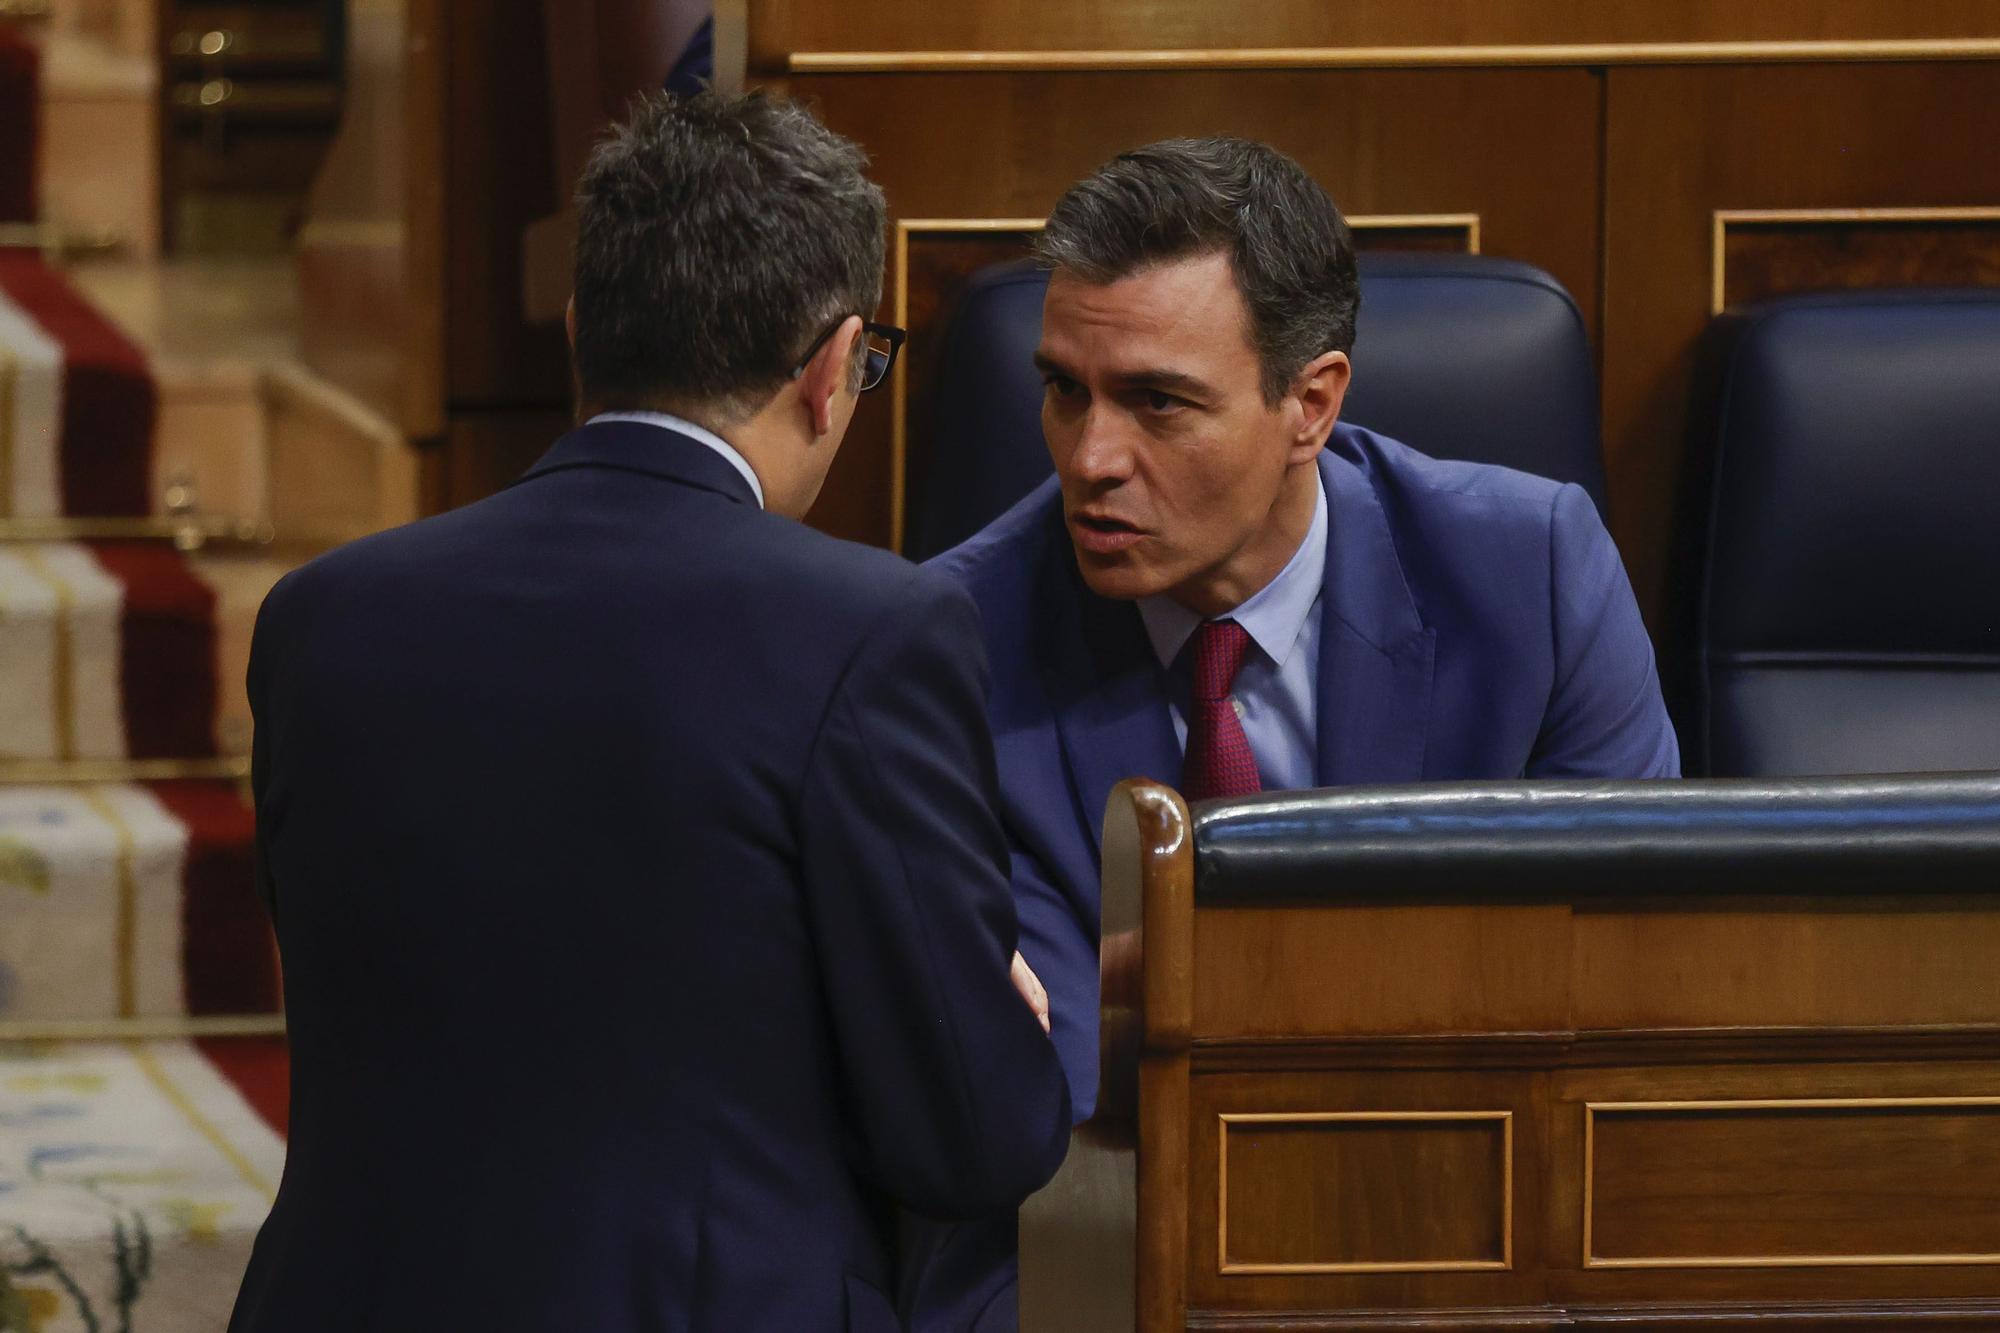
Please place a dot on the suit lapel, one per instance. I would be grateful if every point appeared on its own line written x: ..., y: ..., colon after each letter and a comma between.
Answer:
x: 1376, y: 654
x: 1111, y: 711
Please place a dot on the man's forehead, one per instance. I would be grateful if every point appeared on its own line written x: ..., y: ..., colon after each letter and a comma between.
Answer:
x: 1163, y: 305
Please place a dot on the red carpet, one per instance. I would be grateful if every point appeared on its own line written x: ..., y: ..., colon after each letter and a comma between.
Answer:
x: 260, y: 1069
x: 229, y: 961
x: 20, y: 112
x: 107, y: 399
x: 167, y: 651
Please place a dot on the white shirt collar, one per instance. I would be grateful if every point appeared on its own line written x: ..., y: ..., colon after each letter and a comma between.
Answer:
x: 692, y: 431
x: 1274, y: 615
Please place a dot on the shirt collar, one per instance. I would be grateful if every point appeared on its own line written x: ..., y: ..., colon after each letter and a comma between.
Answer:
x: 1274, y: 615
x: 682, y: 426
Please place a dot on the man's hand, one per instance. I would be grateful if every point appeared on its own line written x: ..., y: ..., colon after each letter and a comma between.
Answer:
x: 1030, y: 986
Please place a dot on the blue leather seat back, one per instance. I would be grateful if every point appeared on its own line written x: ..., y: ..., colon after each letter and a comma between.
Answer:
x: 1851, y: 610
x: 1458, y: 355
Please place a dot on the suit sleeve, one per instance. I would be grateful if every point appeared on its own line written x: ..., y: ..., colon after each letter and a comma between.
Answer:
x: 1606, y: 717
x: 956, y: 1094
x: 1063, y: 951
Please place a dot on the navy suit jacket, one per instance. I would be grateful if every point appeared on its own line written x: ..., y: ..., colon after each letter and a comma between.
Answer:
x: 644, y: 915
x: 1476, y: 622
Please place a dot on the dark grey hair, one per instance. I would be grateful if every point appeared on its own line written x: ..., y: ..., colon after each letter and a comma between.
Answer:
x: 717, y: 237
x: 1292, y: 252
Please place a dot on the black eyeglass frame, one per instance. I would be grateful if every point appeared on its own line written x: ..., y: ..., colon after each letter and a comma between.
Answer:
x: 890, y: 332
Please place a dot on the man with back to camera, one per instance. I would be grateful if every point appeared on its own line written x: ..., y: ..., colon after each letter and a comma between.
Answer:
x: 1226, y: 589
x: 631, y: 846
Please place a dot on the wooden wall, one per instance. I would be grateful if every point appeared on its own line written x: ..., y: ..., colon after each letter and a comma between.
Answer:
x: 1641, y: 153
x: 1650, y: 156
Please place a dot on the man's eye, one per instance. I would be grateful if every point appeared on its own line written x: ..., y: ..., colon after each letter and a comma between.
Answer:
x: 1156, y: 401
x: 1061, y: 386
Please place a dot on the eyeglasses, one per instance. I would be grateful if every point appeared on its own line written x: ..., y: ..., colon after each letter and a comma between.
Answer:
x: 884, y: 341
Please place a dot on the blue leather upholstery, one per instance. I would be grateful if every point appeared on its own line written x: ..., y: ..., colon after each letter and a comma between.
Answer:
x: 1850, y: 618
x: 1457, y: 355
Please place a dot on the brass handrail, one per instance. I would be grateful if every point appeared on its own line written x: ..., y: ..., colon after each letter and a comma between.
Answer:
x: 69, y: 772
x: 58, y: 240
x: 188, y: 532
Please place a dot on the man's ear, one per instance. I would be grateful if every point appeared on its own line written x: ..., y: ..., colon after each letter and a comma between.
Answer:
x: 828, y: 374
x: 569, y: 323
x: 1319, y: 391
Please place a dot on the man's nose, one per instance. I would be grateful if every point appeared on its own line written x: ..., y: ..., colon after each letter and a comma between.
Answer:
x: 1103, y: 449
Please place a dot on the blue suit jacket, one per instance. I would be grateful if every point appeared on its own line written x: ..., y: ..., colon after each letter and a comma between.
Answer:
x: 644, y: 915
x: 1476, y: 623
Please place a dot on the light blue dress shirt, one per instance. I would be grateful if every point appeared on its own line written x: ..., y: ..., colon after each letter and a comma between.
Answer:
x: 1276, y: 692
x: 692, y: 431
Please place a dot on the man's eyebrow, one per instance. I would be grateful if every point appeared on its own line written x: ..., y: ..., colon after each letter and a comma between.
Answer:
x: 1048, y: 365
x: 1166, y: 381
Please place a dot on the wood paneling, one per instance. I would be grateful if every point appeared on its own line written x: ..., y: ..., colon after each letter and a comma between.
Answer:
x: 1772, y: 1184
x: 1682, y: 143
x: 1854, y: 964
x: 1762, y: 254
x: 1302, y: 1192
x: 484, y: 452
x: 500, y: 177
x: 1760, y: 1193
x: 780, y: 27
x: 1346, y: 969
x: 1375, y: 1189
x: 370, y: 256
x: 1516, y: 147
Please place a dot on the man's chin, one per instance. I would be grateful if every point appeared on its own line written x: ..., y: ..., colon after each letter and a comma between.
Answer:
x: 1117, y: 577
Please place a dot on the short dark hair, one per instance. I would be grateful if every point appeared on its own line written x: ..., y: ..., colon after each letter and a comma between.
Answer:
x: 1291, y: 250
x: 716, y: 238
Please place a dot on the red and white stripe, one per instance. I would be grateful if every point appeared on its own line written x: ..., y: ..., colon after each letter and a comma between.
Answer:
x: 80, y: 402
x: 122, y: 901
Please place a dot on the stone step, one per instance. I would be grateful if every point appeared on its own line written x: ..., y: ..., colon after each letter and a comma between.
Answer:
x: 126, y: 650
x: 133, y: 1178
x: 127, y: 904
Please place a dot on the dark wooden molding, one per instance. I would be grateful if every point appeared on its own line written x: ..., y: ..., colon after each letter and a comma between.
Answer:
x: 1556, y: 1050
x: 1822, y: 1317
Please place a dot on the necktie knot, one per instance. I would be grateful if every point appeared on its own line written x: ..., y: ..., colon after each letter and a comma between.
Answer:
x: 1219, y: 649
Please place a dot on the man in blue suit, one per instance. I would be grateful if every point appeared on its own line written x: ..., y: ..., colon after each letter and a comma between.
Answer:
x: 632, y: 847
x: 1226, y: 589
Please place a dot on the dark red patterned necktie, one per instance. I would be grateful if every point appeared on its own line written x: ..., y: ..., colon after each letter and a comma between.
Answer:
x: 1219, y: 761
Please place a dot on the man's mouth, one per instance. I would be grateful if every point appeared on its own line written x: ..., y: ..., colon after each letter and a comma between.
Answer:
x: 1102, y: 534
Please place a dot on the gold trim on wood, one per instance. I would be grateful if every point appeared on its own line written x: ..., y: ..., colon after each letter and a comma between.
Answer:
x: 899, y: 387
x: 1725, y: 218
x: 187, y: 532
x: 1504, y: 1263
x: 1592, y: 1109
x: 1391, y: 57
x: 143, y: 1029
x: 63, y: 772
